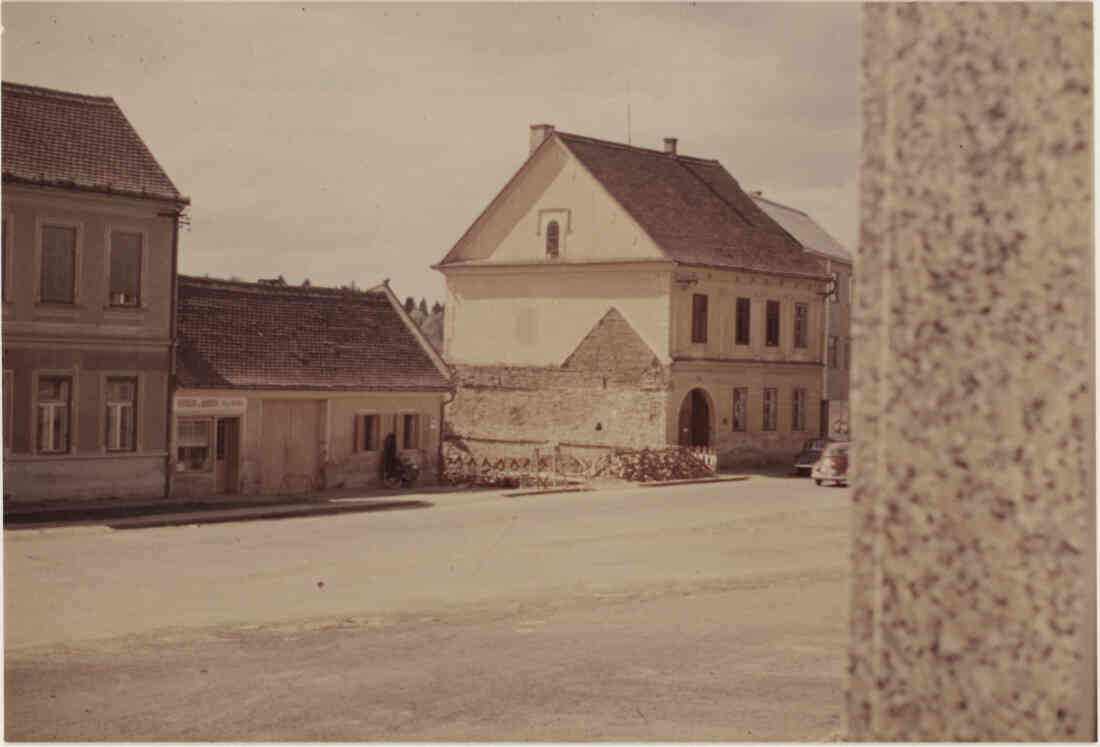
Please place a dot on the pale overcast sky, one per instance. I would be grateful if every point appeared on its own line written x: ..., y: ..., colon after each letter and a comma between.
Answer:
x: 357, y: 142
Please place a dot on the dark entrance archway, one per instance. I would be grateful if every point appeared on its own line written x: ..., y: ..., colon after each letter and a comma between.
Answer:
x: 695, y: 419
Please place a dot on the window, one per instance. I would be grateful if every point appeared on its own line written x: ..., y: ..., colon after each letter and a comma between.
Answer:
x: 121, y: 403
x: 740, y: 408
x: 741, y: 333
x: 54, y: 397
x: 834, y: 286
x: 801, y: 325
x: 552, y: 238
x: 58, y: 264
x: 832, y: 352
x: 798, y: 410
x: 698, y: 318
x: 771, y: 333
x: 770, y: 402
x: 125, y: 287
x: 366, y: 436
x: 193, y: 444
x: 411, y: 436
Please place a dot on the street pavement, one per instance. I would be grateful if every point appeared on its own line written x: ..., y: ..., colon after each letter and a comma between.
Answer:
x: 692, y: 612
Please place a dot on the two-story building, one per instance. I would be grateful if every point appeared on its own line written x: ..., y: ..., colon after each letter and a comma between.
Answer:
x: 90, y: 231
x: 618, y: 295
x: 287, y: 389
x: 837, y: 329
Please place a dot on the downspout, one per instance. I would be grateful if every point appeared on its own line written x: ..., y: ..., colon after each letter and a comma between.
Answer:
x: 824, y: 410
x: 442, y: 405
x: 171, y: 383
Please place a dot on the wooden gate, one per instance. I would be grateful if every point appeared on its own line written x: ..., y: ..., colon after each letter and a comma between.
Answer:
x: 291, y: 442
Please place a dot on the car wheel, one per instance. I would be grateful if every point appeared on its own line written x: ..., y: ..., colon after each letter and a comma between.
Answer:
x: 818, y: 481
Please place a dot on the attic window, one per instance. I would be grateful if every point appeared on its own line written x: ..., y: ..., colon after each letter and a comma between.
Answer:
x: 552, y: 233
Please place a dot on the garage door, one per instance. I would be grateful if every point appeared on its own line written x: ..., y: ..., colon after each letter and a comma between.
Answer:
x: 291, y: 442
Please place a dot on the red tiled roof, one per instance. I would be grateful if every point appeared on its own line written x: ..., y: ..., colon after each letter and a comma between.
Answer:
x: 252, y: 336
x: 693, y: 208
x: 76, y: 141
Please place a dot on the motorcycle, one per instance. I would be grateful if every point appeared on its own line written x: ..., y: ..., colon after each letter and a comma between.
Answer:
x: 398, y: 471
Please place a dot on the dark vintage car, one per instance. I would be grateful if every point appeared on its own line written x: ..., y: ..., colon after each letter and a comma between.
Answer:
x: 833, y: 464
x: 808, y: 457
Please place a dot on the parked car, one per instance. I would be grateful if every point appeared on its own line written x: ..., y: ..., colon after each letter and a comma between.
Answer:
x: 833, y: 464
x: 811, y: 451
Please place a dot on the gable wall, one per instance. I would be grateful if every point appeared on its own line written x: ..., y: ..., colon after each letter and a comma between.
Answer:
x: 537, y: 316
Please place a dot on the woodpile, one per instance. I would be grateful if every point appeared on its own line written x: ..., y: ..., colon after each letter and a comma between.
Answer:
x: 653, y: 465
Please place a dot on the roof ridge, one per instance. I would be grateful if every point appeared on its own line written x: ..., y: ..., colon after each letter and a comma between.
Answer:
x: 13, y: 87
x: 322, y: 290
x: 779, y: 204
x: 625, y: 146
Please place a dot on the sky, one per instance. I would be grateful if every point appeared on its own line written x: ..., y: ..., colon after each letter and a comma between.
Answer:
x: 357, y: 141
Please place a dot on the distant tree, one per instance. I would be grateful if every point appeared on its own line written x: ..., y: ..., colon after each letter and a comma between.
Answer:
x: 306, y: 283
x: 437, y: 308
x: 423, y: 307
x: 410, y: 304
x: 236, y: 278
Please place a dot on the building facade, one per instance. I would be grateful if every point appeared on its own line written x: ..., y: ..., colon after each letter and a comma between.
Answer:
x: 837, y: 329
x: 90, y: 228
x: 286, y: 390
x: 619, y: 295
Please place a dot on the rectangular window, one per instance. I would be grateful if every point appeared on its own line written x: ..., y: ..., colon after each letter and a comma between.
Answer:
x: 366, y: 438
x: 698, y: 317
x: 54, y: 399
x: 193, y: 444
x: 832, y: 352
x: 411, y: 437
x: 58, y: 264
x: 741, y: 333
x: 771, y: 336
x: 125, y: 287
x: 801, y: 325
x: 770, y: 403
x: 798, y: 410
x: 121, y: 422
x: 740, y: 408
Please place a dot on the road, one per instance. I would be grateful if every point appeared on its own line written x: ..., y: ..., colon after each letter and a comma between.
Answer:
x: 697, y: 612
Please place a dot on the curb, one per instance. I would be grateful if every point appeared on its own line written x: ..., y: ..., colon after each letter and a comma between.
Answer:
x: 549, y: 491
x: 697, y: 481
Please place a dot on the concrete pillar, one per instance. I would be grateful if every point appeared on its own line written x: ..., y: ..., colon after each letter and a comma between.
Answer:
x: 974, y: 556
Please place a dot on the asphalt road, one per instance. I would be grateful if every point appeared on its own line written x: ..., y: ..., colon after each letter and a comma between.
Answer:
x: 697, y: 612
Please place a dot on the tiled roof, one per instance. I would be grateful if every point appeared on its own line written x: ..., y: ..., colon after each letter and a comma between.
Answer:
x: 72, y: 140
x: 804, y: 228
x: 693, y: 208
x: 252, y: 336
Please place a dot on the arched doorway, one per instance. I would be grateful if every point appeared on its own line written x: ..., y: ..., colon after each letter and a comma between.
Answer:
x: 695, y: 419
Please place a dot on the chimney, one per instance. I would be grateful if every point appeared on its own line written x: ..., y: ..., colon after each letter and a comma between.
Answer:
x: 540, y: 132
x: 670, y: 146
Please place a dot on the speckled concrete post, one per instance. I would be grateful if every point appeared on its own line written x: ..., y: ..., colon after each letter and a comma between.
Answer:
x: 973, y: 598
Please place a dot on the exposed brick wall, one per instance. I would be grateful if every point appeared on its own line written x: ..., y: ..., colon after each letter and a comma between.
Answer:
x: 613, y: 349
x: 553, y: 404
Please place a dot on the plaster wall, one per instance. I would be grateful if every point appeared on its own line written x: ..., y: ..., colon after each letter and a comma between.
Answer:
x: 537, y: 316
x: 974, y: 553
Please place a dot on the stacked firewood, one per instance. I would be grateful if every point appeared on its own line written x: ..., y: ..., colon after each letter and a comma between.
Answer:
x: 652, y: 465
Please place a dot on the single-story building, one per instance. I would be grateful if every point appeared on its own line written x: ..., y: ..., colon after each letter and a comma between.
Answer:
x: 286, y: 389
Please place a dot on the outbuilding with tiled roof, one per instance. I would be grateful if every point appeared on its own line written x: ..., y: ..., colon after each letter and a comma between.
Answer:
x: 285, y: 389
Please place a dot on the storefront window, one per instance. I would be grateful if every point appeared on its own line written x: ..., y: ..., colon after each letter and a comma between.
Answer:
x: 193, y: 444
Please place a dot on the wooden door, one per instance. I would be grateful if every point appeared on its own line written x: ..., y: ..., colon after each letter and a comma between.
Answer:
x: 290, y: 445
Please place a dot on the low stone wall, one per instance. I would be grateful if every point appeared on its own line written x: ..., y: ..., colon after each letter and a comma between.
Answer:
x: 36, y: 479
x: 558, y: 405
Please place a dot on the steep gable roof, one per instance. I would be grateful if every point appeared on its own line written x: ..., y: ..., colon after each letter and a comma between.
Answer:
x: 804, y: 228
x: 253, y: 336
x: 63, y: 139
x: 692, y: 207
